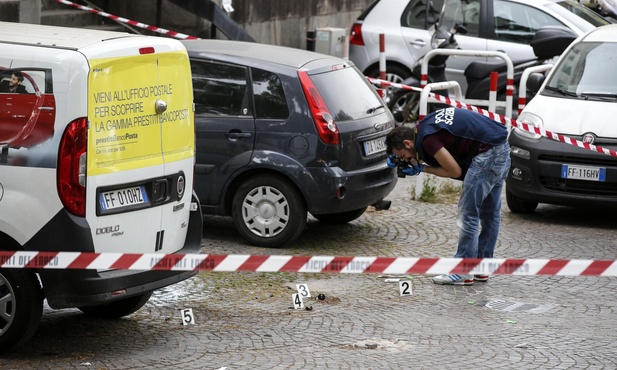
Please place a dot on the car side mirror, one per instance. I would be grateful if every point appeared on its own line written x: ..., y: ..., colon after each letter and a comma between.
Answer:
x: 534, y: 81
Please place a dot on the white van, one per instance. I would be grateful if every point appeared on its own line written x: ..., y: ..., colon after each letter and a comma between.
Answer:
x: 97, y: 155
x: 577, y: 99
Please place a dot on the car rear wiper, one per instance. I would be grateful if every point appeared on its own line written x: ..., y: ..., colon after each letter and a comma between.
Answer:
x: 372, y: 110
x: 563, y: 92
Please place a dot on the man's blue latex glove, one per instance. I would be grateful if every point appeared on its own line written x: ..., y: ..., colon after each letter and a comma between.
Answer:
x: 413, y: 169
x: 391, y: 161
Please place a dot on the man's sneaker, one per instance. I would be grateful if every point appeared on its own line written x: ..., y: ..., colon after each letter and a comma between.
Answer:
x: 482, y: 278
x: 454, y: 279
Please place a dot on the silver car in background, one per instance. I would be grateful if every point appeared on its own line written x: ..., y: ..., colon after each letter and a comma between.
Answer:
x: 493, y: 25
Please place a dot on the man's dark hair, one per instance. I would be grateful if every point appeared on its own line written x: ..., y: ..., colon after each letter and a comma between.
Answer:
x: 395, y: 138
x: 19, y: 75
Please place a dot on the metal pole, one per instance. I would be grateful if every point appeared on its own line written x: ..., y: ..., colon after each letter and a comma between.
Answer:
x: 158, y: 13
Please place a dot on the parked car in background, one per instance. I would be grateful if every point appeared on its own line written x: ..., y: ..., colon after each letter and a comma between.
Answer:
x: 606, y: 8
x: 281, y: 132
x: 579, y: 100
x: 499, y: 25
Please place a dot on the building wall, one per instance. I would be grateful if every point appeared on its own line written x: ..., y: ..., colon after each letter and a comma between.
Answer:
x: 285, y: 22
x: 277, y: 22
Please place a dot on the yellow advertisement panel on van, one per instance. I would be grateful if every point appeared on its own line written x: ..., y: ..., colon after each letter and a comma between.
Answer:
x: 130, y: 116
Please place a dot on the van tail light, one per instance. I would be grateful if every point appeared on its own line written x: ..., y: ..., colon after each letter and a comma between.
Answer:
x: 146, y: 50
x: 326, y: 128
x: 355, y: 35
x: 71, y: 178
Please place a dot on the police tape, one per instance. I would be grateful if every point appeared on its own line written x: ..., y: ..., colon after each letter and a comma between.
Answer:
x: 500, y: 118
x: 127, y: 21
x: 308, y: 264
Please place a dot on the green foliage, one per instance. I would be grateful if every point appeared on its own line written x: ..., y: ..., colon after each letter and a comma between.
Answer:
x: 429, y: 190
x: 447, y: 191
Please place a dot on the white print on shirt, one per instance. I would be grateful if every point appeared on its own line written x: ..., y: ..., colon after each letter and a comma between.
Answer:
x: 445, y: 115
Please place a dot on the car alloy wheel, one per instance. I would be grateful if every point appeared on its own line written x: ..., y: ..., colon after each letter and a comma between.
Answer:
x: 405, y: 107
x: 269, y: 211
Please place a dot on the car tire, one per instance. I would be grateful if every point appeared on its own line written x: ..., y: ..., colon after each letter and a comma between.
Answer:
x: 394, y: 73
x: 405, y: 107
x: 117, y: 309
x: 269, y: 211
x: 340, y: 218
x: 518, y: 205
x: 21, y: 307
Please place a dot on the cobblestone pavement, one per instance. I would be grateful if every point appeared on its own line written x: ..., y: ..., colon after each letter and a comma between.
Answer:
x: 246, y: 320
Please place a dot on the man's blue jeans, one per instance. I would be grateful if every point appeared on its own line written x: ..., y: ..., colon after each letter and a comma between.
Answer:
x: 479, y: 207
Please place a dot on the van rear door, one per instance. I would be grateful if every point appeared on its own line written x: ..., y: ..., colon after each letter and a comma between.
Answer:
x: 140, y: 146
x: 178, y: 136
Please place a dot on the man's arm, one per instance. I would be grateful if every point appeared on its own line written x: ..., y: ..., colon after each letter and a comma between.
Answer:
x: 448, y: 167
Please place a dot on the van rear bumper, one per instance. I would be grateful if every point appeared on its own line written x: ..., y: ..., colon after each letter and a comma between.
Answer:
x: 67, y: 289
x: 80, y: 288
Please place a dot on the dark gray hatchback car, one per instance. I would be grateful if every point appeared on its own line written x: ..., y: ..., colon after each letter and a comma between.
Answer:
x: 282, y: 132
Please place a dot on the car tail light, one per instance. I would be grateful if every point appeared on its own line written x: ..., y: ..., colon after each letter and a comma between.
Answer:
x: 71, y: 180
x: 355, y: 36
x: 326, y: 128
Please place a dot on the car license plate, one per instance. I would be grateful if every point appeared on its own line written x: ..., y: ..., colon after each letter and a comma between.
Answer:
x: 122, y: 198
x: 569, y: 171
x: 375, y: 146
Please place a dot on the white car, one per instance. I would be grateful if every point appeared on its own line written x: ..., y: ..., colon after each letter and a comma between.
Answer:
x: 579, y: 100
x: 493, y: 25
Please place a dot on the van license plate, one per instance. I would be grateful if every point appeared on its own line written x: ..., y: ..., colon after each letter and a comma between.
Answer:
x: 375, y: 146
x: 569, y: 171
x: 122, y: 198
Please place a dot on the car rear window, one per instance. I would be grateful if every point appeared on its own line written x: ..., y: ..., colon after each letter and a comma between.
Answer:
x: 347, y: 93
